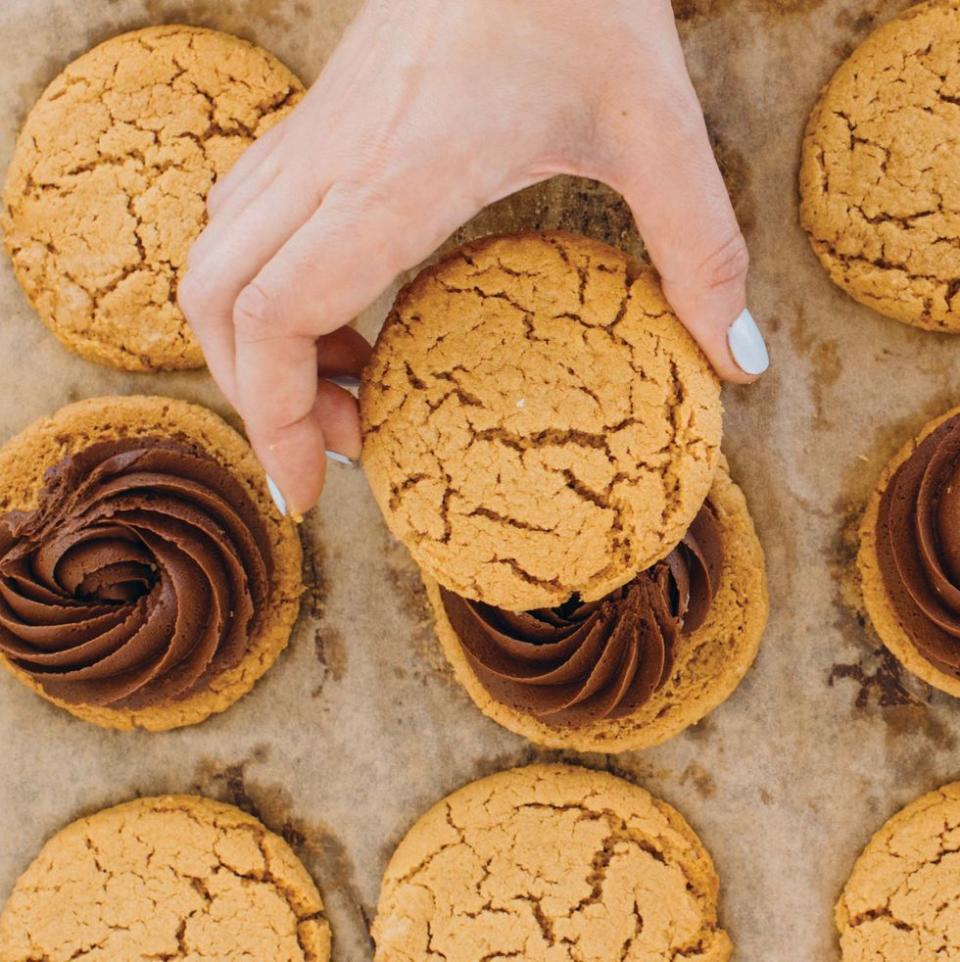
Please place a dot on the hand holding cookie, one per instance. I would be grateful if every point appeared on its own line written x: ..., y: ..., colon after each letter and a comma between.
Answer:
x: 424, y: 114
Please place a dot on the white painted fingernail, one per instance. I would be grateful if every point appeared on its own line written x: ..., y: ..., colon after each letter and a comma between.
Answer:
x: 347, y: 382
x: 747, y: 345
x: 339, y: 458
x: 278, y: 498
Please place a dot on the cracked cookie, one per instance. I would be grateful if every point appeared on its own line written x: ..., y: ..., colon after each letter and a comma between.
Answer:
x: 550, y: 863
x: 171, y: 877
x: 146, y: 578
x: 878, y: 175
x: 900, y: 903
x: 108, y: 185
x: 635, y: 669
x: 909, y: 557
x: 537, y: 422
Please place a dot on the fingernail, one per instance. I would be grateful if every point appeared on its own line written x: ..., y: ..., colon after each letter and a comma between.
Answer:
x: 339, y: 458
x: 278, y: 498
x: 347, y: 382
x: 747, y: 345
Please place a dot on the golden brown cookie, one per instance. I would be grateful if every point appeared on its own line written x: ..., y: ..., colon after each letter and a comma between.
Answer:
x: 79, y: 428
x: 108, y: 185
x: 550, y: 863
x: 878, y: 175
x: 708, y: 665
x: 536, y: 420
x: 887, y: 613
x: 902, y: 900
x: 172, y: 877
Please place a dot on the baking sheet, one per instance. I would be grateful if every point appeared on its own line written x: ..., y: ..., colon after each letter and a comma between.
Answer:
x: 358, y: 728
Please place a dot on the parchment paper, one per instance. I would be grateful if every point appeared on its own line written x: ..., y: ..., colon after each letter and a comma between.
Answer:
x: 358, y: 728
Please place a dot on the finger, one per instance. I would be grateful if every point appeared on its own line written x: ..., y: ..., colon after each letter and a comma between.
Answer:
x: 344, y: 353
x: 297, y: 452
x: 677, y: 194
x: 329, y: 271
x: 238, y: 178
x: 236, y: 250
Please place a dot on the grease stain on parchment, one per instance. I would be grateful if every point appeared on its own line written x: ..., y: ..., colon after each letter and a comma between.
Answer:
x: 693, y: 10
x: 315, y: 844
x: 855, y: 25
x: 882, y: 689
x: 590, y: 207
x: 825, y: 364
x: 403, y: 578
x: 561, y: 203
x: 329, y: 645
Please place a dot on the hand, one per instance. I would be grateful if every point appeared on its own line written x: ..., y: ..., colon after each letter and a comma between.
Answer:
x: 426, y: 112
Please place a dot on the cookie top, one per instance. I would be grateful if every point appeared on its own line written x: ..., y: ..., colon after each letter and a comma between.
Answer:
x: 900, y: 902
x: 537, y: 422
x: 532, y: 862
x: 165, y: 878
x: 705, y: 666
x: 174, y: 531
x: 108, y: 185
x: 909, y: 557
x: 878, y: 177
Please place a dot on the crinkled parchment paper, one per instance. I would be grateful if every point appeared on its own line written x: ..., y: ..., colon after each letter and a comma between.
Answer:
x: 358, y: 728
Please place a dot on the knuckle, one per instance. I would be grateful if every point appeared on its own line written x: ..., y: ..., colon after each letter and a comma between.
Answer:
x: 255, y: 312
x: 727, y: 264
x: 191, y: 296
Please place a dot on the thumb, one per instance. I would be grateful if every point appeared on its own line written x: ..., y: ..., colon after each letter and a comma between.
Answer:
x: 683, y: 212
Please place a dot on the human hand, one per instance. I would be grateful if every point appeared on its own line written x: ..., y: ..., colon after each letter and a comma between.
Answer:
x: 426, y: 112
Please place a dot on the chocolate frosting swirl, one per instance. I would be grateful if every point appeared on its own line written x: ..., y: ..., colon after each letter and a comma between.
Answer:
x: 582, y: 662
x: 918, y: 546
x: 138, y: 577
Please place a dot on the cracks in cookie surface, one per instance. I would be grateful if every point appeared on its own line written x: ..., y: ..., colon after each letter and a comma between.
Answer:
x: 168, y: 876
x: 129, y: 184
x: 878, y: 196
x: 908, y: 872
x: 515, y: 401
x: 571, y: 878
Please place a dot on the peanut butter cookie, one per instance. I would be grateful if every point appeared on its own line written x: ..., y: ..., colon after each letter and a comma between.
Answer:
x: 108, y: 185
x: 902, y: 900
x: 146, y: 578
x: 909, y: 558
x: 878, y: 181
x: 172, y: 877
x: 693, y: 670
x: 537, y: 422
x: 550, y: 863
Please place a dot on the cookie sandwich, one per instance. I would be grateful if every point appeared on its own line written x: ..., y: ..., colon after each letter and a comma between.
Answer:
x: 531, y: 862
x: 543, y: 434
x: 878, y: 174
x: 108, y: 184
x: 146, y: 578
x: 176, y: 876
x: 909, y: 557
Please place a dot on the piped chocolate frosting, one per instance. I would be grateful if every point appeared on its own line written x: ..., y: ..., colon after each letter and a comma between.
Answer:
x: 582, y: 662
x: 918, y: 546
x: 137, y: 579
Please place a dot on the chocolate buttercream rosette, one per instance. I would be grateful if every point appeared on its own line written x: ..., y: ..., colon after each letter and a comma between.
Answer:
x: 909, y: 557
x: 146, y: 578
x: 635, y: 668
